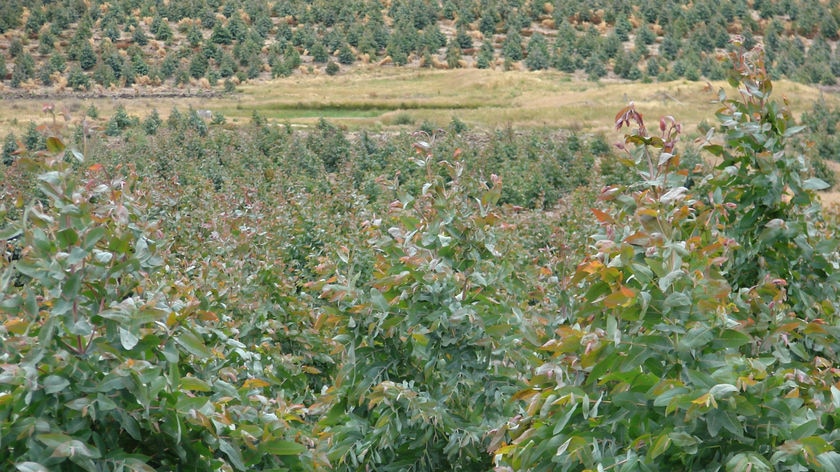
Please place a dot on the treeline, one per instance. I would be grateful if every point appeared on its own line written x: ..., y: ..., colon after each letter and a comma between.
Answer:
x: 213, y: 43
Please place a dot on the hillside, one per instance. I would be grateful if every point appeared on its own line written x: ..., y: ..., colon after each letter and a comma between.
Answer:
x: 164, y: 48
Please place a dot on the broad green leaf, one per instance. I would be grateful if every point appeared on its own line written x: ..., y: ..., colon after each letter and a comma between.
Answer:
x: 815, y: 183
x: 815, y: 445
x: 667, y: 397
x: 683, y: 439
x: 807, y: 428
x: 835, y: 397
x: 696, y: 337
x: 93, y: 236
x: 31, y: 467
x: 75, y: 448
x: 793, y: 130
x: 721, y: 391
x: 830, y: 461
x: 748, y: 462
x: 732, y: 339
x: 282, y: 447
x: 54, y: 145
x: 128, y: 339
x: 194, y: 383
x: 78, y: 404
x: 9, y: 233
x: 666, y: 282
x: 53, y: 439
x: 192, y: 343
x: 660, y: 445
x: 233, y: 453
x: 54, y: 384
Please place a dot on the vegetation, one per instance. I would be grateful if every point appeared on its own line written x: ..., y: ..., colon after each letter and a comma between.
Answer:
x: 180, y: 292
x: 176, y: 45
x: 701, y: 339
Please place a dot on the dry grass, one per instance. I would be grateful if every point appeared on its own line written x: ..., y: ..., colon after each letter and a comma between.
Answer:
x: 373, y: 97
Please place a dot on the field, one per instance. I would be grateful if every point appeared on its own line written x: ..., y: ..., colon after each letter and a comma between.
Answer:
x: 399, y: 98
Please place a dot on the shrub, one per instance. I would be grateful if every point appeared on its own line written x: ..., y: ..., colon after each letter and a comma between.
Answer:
x: 119, y: 122
x: 10, y: 148
x: 77, y: 79
x: 427, y: 363
x: 33, y: 139
x: 705, y: 326
x: 332, y: 68
x: 152, y: 123
x: 112, y: 368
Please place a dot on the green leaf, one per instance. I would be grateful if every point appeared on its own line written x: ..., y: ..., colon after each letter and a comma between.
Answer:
x: 128, y: 339
x: 78, y: 404
x: 662, y: 443
x: 830, y: 461
x: 807, y: 428
x: 74, y: 448
x: 233, y: 454
x: 54, y: 145
x: 31, y: 467
x: 815, y: 183
x: 193, y: 344
x: 54, y: 384
x: 696, y: 337
x: 720, y: 391
x: 815, y: 445
x: 793, y: 130
x: 93, y: 236
x: 667, y: 397
x: 9, y: 233
x: 684, y: 441
x: 282, y: 447
x: 66, y: 237
x: 748, y: 462
x: 194, y: 383
x: 666, y: 282
x: 732, y: 339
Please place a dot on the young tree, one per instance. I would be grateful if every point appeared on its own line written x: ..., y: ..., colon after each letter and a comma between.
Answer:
x: 194, y: 36
x: 221, y: 35
x: 463, y: 39
x: 623, y: 28
x: 198, y: 66
x: 77, y: 79
x: 694, y: 345
x: 485, y: 55
x: 453, y: 55
x: 537, y: 57
x: 139, y: 36
x: 332, y: 68
x: 345, y: 54
x: 512, y: 45
x: 10, y: 147
x: 319, y: 52
x: 594, y: 68
x: 87, y: 57
x: 160, y: 29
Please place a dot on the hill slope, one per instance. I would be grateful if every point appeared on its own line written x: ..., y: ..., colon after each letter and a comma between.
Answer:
x: 54, y: 47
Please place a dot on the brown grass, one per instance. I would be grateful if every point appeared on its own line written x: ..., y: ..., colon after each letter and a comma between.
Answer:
x: 369, y: 97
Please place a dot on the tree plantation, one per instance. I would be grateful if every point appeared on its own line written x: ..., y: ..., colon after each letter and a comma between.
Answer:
x: 182, y: 294
x: 96, y: 45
